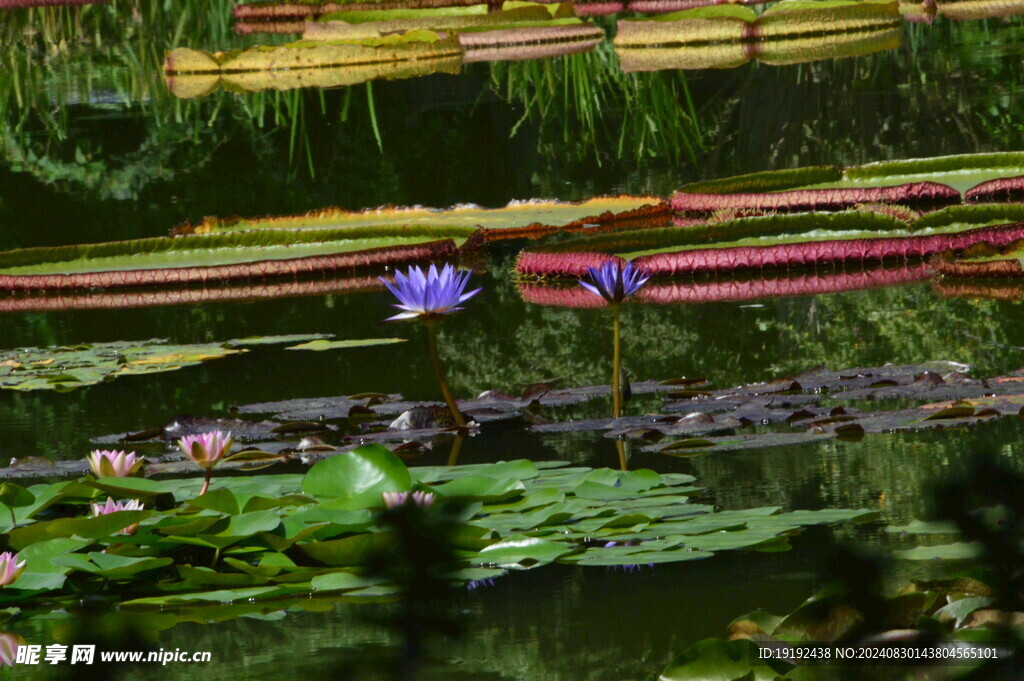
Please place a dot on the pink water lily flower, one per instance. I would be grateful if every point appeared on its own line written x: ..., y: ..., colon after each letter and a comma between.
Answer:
x: 205, y: 450
x: 109, y: 463
x: 395, y: 499
x: 10, y: 568
x: 112, y: 506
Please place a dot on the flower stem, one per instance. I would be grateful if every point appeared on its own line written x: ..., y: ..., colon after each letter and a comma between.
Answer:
x: 206, y: 482
x: 620, y: 446
x: 439, y: 373
x: 616, y: 366
x: 453, y: 455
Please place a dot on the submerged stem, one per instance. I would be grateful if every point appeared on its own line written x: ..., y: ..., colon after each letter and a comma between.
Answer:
x: 439, y: 373
x: 620, y: 446
x: 616, y: 366
x: 453, y: 455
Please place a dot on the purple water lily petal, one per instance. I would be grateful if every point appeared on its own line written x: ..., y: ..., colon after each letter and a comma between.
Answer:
x: 429, y: 294
x: 615, y: 282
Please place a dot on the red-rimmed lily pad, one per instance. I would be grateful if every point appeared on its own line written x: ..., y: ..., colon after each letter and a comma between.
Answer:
x: 728, y: 55
x: 203, y: 258
x: 517, y: 219
x: 311, y: 54
x: 149, y: 297
x: 734, y: 23
x: 771, y: 252
x: 722, y: 289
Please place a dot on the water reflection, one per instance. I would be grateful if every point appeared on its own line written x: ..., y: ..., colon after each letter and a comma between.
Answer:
x: 112, y: 109
x: 573, y: 619
x: 245, y: 293
x: 739, y: 286
x: 798, y: 51
x: 93, y: 147
x: 190, y: 85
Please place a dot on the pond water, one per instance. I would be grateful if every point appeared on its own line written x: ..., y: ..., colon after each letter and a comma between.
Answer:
x: 93, y: 148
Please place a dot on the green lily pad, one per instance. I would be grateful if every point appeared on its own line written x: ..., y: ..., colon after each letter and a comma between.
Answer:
x: 956, y: 551
x: 368, y: 470
x: 320, y: 345
x: 110, y: 566
x: 519, y: 549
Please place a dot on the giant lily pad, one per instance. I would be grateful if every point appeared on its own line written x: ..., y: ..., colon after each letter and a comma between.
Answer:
x: 518, y: 219
x: 171, y: 294
x: 727, y: 55
x: 256, y: 12
x: 921, y: 195
x: 188, y: 85
x: 349, y: 25
x: 961, y: 172
x: 734, y: 288
x: 1003, y: 262
x: 758, y: 253
x: 223, y: 257
x: 308, y: 54
x: 967, y: 10
x: 733, y: 23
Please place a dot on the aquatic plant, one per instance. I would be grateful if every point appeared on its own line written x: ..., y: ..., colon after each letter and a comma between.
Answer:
x: 112, y: 506
x: 10, y: 568
x: 109, y: 463
x: 232, y: 256
x: 282, y: 537
x: 66, y: 368
x: 429, y: 297
x: 206, y: 450
x: 518, y: 219
x: 922, y: 195
x: 615, y: 282
x: 1004, y: 189
x: 412, y: 45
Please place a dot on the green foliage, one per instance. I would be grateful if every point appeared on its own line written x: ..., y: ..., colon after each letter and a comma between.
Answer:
x: 262, y: 532
x: 69, y: 367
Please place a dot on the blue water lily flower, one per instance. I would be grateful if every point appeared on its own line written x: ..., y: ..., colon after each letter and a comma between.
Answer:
x: 614, y: 281
x: 430, y: 294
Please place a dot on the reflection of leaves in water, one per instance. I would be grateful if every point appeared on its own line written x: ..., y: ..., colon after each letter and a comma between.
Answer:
x: 592, y: 101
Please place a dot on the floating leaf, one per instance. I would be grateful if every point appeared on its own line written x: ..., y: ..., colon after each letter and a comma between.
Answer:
x: 956, y: 551
x: 319, y: 345
x: 518, y: 219
x: 110, y: 566
x: 342, y: 581
x: 233, y: 256
x: 368, y: 470
x: 520, y: 549
x: 275, y: 340
x: 14, y: 495
x: 309, y: 54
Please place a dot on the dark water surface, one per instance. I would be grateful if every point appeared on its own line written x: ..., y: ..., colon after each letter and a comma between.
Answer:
x: 93, y: 148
